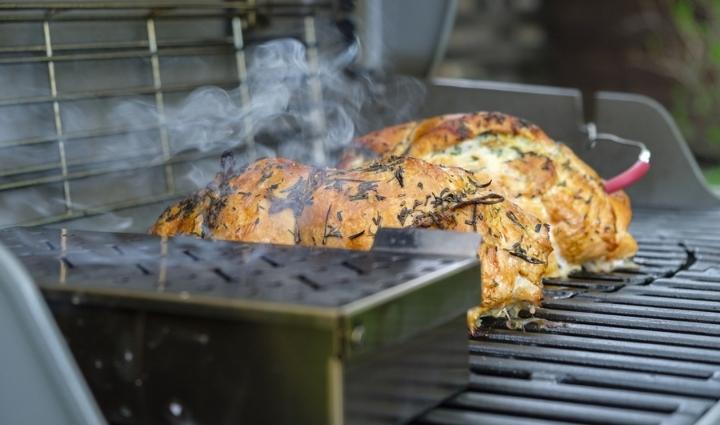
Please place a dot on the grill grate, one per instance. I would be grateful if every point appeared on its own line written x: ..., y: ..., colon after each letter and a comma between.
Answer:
x: 638, y: 347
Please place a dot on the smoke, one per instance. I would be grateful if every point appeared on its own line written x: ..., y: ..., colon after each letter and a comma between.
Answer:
x: 295, y: 109
x: 300, y: 103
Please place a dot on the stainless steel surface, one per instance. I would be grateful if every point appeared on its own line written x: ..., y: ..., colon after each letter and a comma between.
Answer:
x: 257, y: 323
x: 38, y: 364
x: 391, y: 40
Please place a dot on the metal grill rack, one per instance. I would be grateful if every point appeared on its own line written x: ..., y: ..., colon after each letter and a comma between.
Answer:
x: 66, y: 66
x: 626, y: 348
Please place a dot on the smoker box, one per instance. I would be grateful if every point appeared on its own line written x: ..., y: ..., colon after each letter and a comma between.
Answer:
x: 183, y: 330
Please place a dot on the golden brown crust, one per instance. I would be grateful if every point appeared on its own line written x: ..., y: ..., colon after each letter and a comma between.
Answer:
x: 544, y: 177
x: 283, y: 202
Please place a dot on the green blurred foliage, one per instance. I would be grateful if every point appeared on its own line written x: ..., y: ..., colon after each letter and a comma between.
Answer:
x: 712, y: 175
x: 691, y: 56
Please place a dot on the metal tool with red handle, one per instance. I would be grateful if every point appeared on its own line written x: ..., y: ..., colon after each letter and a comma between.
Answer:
x: 635, y: 172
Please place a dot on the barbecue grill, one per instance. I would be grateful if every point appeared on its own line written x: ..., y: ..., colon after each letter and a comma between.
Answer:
x: 638, y: 346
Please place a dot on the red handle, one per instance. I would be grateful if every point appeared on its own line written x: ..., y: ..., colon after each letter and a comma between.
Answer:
x: 628, y: 177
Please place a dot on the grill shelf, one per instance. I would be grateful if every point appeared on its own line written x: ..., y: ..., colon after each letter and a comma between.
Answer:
x: 638, y: 347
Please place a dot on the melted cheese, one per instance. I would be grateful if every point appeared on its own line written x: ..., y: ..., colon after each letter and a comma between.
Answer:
x: 564, y: 266
x: 475, y: 151
x: 475, y: 155
x: 604, y: 266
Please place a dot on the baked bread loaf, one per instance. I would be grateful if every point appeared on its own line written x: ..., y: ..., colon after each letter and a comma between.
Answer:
x: 589, y: 228
x: 283, y: 202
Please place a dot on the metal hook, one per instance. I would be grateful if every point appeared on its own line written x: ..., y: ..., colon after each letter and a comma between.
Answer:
x: 593, y: 137
x: 632, y: 174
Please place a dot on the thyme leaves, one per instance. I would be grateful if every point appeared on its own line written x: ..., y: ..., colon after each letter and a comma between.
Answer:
x: 512, y: 217
x: 328, y: 230
x: 398, y: 174
x: 356, y: 235
x: 520, y: 252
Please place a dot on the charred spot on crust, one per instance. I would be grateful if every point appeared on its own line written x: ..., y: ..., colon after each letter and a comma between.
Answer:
x: 182, y: 208
x: 403, y: 215
x: 266, y: 174
x: 213, y: 211
x: 462, y: 130
x: 547, y: 165
x: 498, y: 117
x: 437, y: 219
x: 363, y: 189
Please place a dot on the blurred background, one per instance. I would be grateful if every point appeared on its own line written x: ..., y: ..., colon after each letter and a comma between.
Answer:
x: 666, y: 49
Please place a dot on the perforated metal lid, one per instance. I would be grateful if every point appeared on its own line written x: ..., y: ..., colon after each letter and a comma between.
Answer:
x: 194, y: 271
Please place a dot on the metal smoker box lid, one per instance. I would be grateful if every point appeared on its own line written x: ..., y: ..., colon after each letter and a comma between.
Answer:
x: 344, y: 326
x: 327, y: 288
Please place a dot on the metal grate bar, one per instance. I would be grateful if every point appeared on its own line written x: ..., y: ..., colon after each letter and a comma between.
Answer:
x: 551, y: 409
x: 632, y: 334
x: 241, y: 70
x: 688, y: 284
x: 593, y: 358
x: 57, y: 118
x: 466, y: 417
x: 666, y: 349
x: 602, y: 376
x: 317, y: 115
x: 160, y: 105
x: 547, y: 388
x: 129, y: 10
x: 115, y: 45
x: 128, y: 165
x: 649, y: 320
x: 154, y: 4
x: 98, y: 94
x: 686, y: 304
x: 129, y: 54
